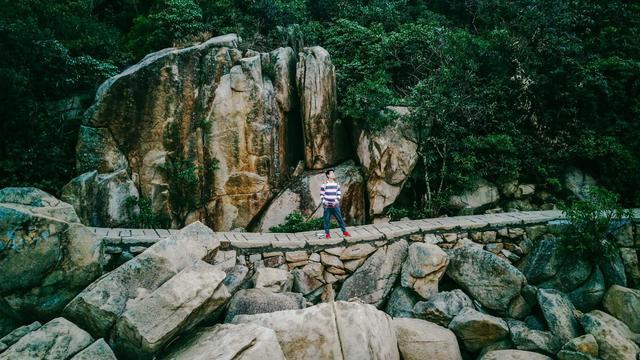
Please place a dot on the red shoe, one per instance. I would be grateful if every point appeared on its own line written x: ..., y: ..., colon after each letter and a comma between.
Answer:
x: 327, y: 236
x: 345, y: 233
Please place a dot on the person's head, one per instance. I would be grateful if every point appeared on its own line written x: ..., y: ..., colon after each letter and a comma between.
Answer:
x: 331, y: 174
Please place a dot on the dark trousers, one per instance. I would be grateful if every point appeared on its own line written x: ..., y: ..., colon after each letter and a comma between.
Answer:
x: 335, y: 211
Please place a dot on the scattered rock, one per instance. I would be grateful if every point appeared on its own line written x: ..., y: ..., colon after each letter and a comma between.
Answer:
x: 613, y: 336
x: 276, y: 280
x: 424, y: 267
x: 443, y: 307
x: 533, y: 340
x: 493, y: 281
x: 477, y: 330
x: 307, y: 280
x: 373, y: 281
x: 258, y: 301
x: 558, y: 311
x: 99, y: 350
x: 419, y: 339
x: 588, y: 295
x: 401, y: 302
x: 624, y: 304
x: 228, y: 341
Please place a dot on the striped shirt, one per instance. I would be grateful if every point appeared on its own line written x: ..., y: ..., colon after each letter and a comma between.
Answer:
x: 330, y: 194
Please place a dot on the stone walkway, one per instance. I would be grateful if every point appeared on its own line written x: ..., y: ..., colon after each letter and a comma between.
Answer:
x: 372, y: 232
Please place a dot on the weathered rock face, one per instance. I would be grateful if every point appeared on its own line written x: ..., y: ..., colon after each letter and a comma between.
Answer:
x: 558, y: 311
x: 214, y: 112
x: 491, y: 280
x: 533, y: 340
x: 228, y: 341
x: 401, y: 303
x: 578, y: 183
x: 388, y: 157
x: 46, y: 255
x: 99, y: 306
x: 513, y: 355
x: 419, y: 339
x: 57, y: 339
x: 374, y: 279
x: 99, y: 350
x: 325, y: 138
x: 17, y: 334
x: 337, y: 330
x: 303, y: 196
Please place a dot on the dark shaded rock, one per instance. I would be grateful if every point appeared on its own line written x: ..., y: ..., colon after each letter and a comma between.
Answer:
x: 613, y: 271
x: 477, y: 330
x: 401, y: 302
x: 533, y: 340
x: 558, y: 311
x: 442, y: 307
x: 589, y: 295
x: 543, y: 261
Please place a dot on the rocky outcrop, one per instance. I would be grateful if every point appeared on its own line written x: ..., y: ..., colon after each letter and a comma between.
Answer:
x: 102, y: 304
x: 419, y: 339
x: 46, y: 255
x: 206, y: 132
x: 337, y: 330
x: 325, y: 137
x: 303, y: 196
x: 388, y: 157
x: 228, y: 341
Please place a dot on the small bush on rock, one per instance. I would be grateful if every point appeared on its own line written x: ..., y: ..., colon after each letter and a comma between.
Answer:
x: 295, y: 222
x: 591, y: 224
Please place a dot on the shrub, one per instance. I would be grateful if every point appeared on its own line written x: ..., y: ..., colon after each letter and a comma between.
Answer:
x: 591, y: 223
x: 294, y: 222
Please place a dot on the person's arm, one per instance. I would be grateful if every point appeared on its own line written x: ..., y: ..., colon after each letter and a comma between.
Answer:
x: 322, y: 193
x: 338, y: 193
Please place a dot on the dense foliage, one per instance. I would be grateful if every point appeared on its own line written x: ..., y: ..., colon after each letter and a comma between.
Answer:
x: 296, y: 222
x: 500, y: 89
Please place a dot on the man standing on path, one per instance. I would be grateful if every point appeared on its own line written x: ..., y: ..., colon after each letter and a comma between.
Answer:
x: 330, y: 196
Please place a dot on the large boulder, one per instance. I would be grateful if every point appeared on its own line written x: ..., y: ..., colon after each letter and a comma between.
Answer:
x: 17, y: 334
x: 374, y: 279
x: 227, y: 341
x: 559, y: 313
x: 46, y: 255
x: 225, y: 117
x: 424, y: 267
x: 483, y: 195
x: 442, y: 307
x: 419, y: 339
x: 325, y: 137
x: 178, y: 305
x: 99, y: 306
x: 337, y: 330
x: 258, y: 301
x: 491, y: 280
x: 624, y: 304
x: 103, y: 199
x: 388, y: 157
x: 614, y: 337
x: 303, y: 196
x: 477, y: 330
x: 57, y: 339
